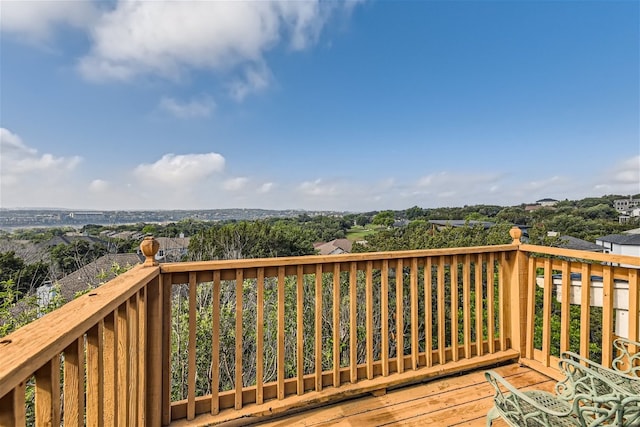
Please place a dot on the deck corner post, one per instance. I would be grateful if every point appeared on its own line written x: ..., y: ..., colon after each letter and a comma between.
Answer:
x: 516, y: 303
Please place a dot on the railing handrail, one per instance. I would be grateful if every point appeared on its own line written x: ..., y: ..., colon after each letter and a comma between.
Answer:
x: 194, y: 266
x: 30, y: 347
x: 584, y: 255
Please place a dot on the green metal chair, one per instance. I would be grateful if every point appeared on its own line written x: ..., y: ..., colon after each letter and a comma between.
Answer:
x: 584, y: 398
x: 625, y: 367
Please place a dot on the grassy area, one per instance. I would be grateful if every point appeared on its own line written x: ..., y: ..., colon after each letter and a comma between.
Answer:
x: 360, y: 233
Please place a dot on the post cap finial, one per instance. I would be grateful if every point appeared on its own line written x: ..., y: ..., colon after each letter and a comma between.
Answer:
x: 149, y: 248
x: 515, y: 234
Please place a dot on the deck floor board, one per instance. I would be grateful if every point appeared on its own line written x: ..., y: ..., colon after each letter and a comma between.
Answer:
x: 462, y: 400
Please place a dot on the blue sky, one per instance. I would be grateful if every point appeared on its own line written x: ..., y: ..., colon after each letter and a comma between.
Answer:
x: 361, y: 105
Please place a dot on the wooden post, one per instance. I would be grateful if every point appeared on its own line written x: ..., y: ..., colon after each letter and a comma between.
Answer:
x: 149, y: 248
x: 516, y: 274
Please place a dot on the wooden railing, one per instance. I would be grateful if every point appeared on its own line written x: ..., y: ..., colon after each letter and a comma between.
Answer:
x: 221, y: 340
x: 577, y: 301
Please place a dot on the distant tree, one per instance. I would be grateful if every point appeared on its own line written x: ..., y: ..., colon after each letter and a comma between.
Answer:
x: 385, y: 218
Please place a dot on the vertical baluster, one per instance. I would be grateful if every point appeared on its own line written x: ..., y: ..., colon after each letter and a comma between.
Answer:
x: 369, y: 317
x: 97, y: 373
x: 142, y: 355
x: 166, y: 286
x: 109, y: 355
x: 336, y: 324
x: 215, y: 344
x: 531, y: 306
x: 479, y: 306
x: 260, y: 337
x: 414, y: 313
x: 607, y: 316
x: 12, y: 406
x: 238, y: 376
x: 122, y: 367
x: 74, y: 383
x: 132, y: 323
x: 453, y: 266
x: 466, y: 302
x: 502, y: 294
x: 546, y: 313
x: 280, y: 350
x: 353, y: 337
x: 441, y: 313
x: 300, y: 329
x: 318, y: 327
x: 585, y: 310
x: 565, y: 318
x: 491, y: 326
x: 384, y: 316
x: 153, y: 389
x: 48, y: 393
x: 428, y: 312
x: 399, y: 316
x: 191, y: 351
x: 634, y: 307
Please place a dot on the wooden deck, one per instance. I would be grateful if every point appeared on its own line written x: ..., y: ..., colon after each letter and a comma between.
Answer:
x: 462, y: 400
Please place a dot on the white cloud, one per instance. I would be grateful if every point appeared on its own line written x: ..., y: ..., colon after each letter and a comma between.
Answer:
x: 98, y: 185
x: 169, y: 38
x: 254, y: 79
x: 29, y: 178
x: 318, y: 188
x: 235, y: 184
x: 35, y: 21
x: 628, y: 172
x: 18, y: 159
x: 266, y: 187
x: 193, y: 108
x: 180, y: 170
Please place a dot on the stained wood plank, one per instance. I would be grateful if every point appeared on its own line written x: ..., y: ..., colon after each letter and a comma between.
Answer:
x: 466, y: 304
x: 479, y: 309
x: 428, y: 312
x: 280, y: 334
x: 318, y: 327
x: 215, y: 345
x: 585, y: 310
x: 48, y: 393
x: 97, y: 372
x: 74, y: 384
x: 12, y: 408
x: 546, y: 312
x: 441, y: 312
x: 191, y: 349
x: 491, y: 326
x: 300, y: 329
x: 607, y: 316
x: 336, y: 325
x: 260, y: 336
x: 414, y: 313
x: 122, y: 367
x: 399, y: 315
x: 454, y: 307
x: 384, y: 316
x: 564, y: 309
x: 353, y: 337
x: 427, y: 398
x: 238, y: 336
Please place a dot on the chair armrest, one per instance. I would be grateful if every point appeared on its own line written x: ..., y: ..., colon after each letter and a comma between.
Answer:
x: 576, y: 365
x: 520, y: 407
x: 628, y: 360
x: 583, y: 380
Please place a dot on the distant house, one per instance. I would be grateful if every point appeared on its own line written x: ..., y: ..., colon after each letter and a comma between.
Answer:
x: 547, y: 202
x: 570, y: 242
x: 620, y: 244
x: 334, y: 247
x: 172, y: 249
x: 624, y: 206
x: 95, y: 273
